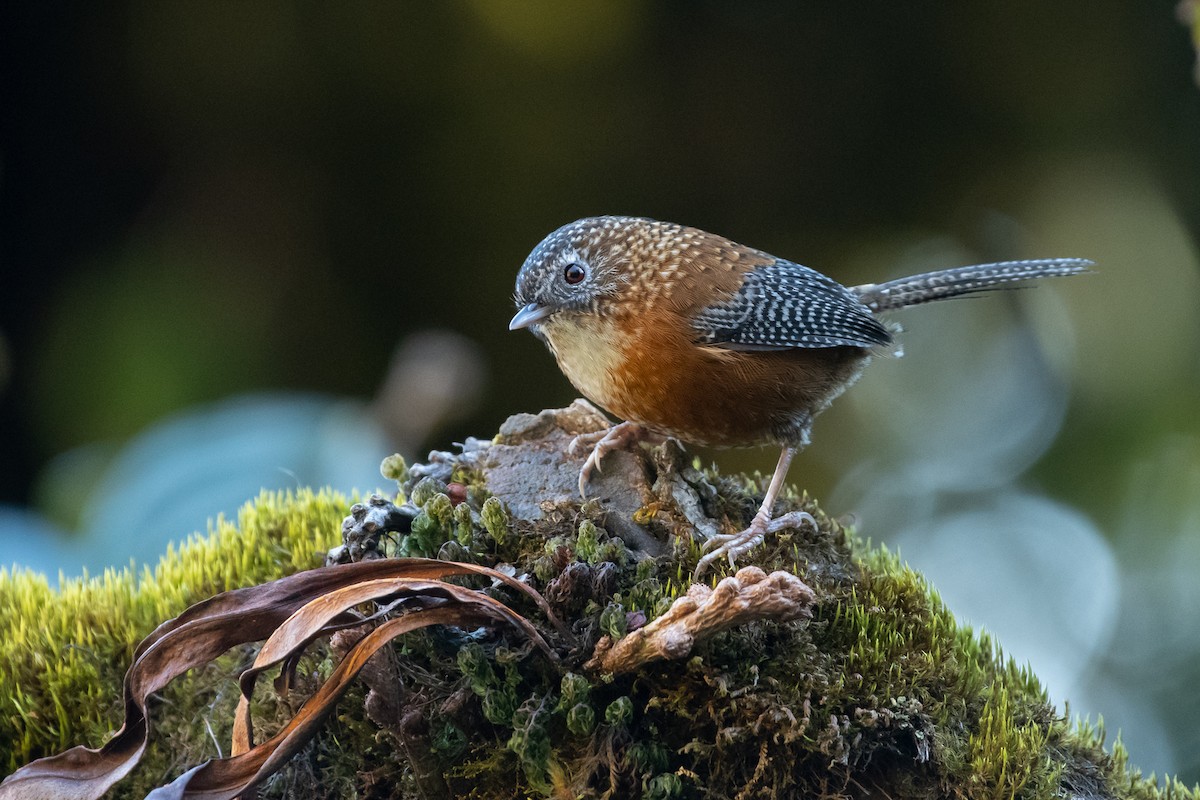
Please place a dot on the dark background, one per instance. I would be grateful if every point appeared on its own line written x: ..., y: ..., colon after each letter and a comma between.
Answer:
x: 207, y: 200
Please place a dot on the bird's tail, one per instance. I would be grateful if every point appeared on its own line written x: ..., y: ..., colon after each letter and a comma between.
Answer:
x: 939, y: 285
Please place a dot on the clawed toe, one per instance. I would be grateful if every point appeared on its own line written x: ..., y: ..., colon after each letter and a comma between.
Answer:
x: 603, y: 443
x: 734, y: 545
x: 584, y: 442
x: 793, y: 519
x: 585, y: 472
x: 729, y: 545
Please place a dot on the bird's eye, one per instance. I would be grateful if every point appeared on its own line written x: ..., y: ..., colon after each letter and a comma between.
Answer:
x: 574, y: 273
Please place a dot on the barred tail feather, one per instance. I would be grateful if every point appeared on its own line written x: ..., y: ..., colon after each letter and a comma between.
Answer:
x: 945, y: 283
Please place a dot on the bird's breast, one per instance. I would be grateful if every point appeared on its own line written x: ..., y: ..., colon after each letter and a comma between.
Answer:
x: 650, y: 371
x: 589, y: 351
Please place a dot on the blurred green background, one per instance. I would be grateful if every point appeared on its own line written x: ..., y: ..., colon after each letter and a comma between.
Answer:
x: 261, y: 201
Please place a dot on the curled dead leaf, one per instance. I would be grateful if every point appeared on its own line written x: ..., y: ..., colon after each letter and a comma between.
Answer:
x: 290, y: 613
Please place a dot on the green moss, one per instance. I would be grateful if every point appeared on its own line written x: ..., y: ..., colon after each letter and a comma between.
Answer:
x: 1005, y: 754
x: 495, y: 520
x: 425, y: 490
x: 581, y: 719
x: 394, y: 468
x: 463, y: 530
x: 613, y: 621
x: 882, y: 692
x: 530, y: 741
x: 64, y: 650
x: 619, y: 712
x: 587, y: 542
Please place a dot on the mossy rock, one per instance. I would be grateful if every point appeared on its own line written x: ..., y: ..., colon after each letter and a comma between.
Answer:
x: 879, y: 694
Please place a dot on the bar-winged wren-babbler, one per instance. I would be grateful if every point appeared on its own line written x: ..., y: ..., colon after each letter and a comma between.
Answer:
x: 687, y: 334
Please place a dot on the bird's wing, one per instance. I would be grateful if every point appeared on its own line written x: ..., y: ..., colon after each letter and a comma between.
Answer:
x: 782, y: 305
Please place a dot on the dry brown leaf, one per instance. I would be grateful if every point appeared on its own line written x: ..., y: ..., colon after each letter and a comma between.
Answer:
x: 197, y: 636
x: 225, y: 779
x: 297, y: 631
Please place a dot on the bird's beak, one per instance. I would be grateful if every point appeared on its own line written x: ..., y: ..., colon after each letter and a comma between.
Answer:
x: 528, y: 315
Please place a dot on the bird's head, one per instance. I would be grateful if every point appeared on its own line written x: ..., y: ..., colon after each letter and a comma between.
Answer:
x: 580, y: 269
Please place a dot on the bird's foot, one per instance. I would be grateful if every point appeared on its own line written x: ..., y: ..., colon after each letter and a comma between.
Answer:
x: 621, y: 435
x: 732, y: 545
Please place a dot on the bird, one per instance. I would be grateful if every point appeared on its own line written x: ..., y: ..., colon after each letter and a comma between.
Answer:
x: 686, y: 334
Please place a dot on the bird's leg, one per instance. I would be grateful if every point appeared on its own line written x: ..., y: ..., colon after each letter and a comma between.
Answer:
x: 732, y: 545
x: 621, y: 435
